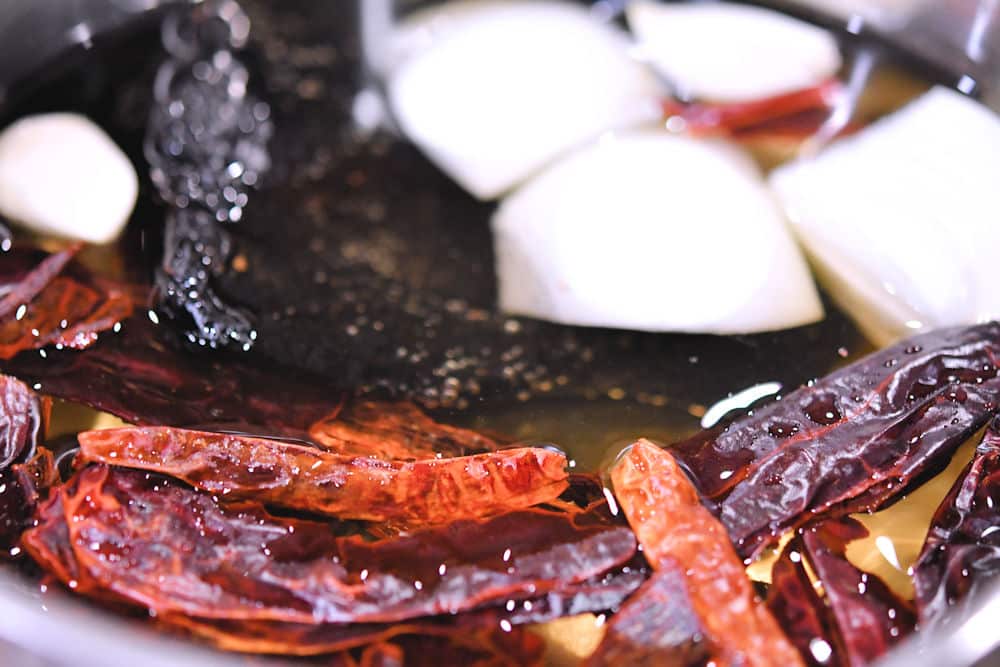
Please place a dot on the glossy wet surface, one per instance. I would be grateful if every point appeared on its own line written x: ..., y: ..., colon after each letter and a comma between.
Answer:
x: 369, y: 269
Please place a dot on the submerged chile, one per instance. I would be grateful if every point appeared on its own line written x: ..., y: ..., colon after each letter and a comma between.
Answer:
x: 717, y: 615
x: 870, y: 619
x: 804, y: 616
x: 960, y: 559
x: 296, y: 477
x: 599, y: 594
x: 26, y: 468
x: 852, y: 440
x: 855, y: 620
x: 125, y: 530
x: 394, y: 431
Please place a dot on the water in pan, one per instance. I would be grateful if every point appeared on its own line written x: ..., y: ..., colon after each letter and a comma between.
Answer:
x: 370, y: 269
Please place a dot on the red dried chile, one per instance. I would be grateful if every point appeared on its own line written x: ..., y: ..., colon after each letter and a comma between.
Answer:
x: 139, y: 376
x: 23, y: 487
x: 43, y: 308
x: 709, y: 118
x: 960, y: 558
x: 26, y: 468
x: 679, y: 535
x: 163, y: 546
x: 394, y: 431
x: 657, y: 627
x: 870, y: 618
x: 303, y: 478
x: 21, y: 283
x: 598, y: 594
x: 23, y: 417
x: 852, y: 441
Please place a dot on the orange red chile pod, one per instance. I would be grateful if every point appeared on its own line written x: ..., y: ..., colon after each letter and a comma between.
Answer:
x: 677, y: 532
x: 708, y: 118
x: 22, y: 290
x: 869, y: 617
x: 394, y: 431
x: 308, y: 479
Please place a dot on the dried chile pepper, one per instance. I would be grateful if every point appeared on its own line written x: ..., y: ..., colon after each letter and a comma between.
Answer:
x: 21, y: 285
x: 676, y: 531
x: 26, y: 468
x: 870, y: 618
x: 42, y: 308
x: 309, y: 479
x: 851, y: 441
x: 658, y: 627
x: 395, y: 431
x: 171, y: 549
x: 22, y: 489
x: 23, y: 417
x: 960, y: 558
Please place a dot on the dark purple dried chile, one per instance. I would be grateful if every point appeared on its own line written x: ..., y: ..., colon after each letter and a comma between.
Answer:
x: 239, y: 562
x: 802, y: 613
x: 851, y: 441
x: 677, y: 533
x: 139, y: 376
x: 870, y: 618
x: 296, y: 477
x: 960, y: 559
x: 20, y: 284
x: 394, y: 431
x: 657, y: 627
x: 464, y: 634
x: 23, y: 417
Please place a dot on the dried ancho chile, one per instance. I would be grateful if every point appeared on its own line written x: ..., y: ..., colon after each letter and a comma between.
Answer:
x: 960, y: 558
x: 352, y: 487
x: 690, y: 550
x: 870, y: 617
x: 851, y: 441
x: 804, y: 616
x: 26, y: 468
x: 657, y: 627
x: 857, y: 620
x: 40, y: 307
x: 125, y: 529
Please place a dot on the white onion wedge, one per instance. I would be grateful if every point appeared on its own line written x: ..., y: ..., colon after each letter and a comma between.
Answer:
x: 655, y: 232
x: 902, y: 220
x: 732, y: 53
x: 494, y: 90
x: 61, y: 174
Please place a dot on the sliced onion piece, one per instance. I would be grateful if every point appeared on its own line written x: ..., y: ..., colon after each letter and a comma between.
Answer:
x: 61, y: 174
x: 655, y: 232
x: 732, y: 53
x: 902, y: 220
x: 494, y: 90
